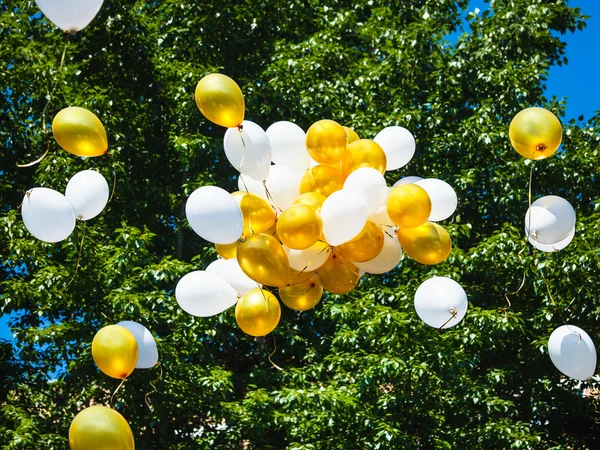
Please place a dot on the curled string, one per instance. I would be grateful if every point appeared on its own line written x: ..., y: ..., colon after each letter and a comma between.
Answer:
x: 240, y: 128
x: 114, y: 178
x: 117, y: 390
x: 273, y: 352
x: 146, y: 397
x: 270, y: 197
x: 453, y: 315
x: 78, y: 261
x: 575, y: 332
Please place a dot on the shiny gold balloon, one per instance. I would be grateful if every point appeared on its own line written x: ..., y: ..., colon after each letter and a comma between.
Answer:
x: 409, y: 205
x: 258, y: 312
x: 80, y: 132
x: 263, y: 259
x: 220, y: 100
x: 299, y: 277
x: 364, y: 247
x: 338, y: 275
x: 312, y: 199
x: 326, y: 141
x: 258, y: 214
x: 535, y: 133
x: 299, y: 227
x: 115, y: 351
x: 100, y: 428
x: 351, y: 135
x: 427, y: 244
x: 363, y: 153
x: 302, y: 296
x: 227, y: 251
x: 324, y: 180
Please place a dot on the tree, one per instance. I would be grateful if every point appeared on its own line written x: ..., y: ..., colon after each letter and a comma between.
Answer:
x: 361, y: 370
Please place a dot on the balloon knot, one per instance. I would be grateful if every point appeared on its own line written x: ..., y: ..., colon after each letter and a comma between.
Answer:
x: 541, y: 147
x: 240, y: 127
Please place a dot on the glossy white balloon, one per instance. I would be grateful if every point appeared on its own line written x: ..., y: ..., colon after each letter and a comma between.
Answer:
x: 371, y: 184
x: 344, y: 214
x: 282, y: 183
x: 87, y: 191
x: 389, y: 257
x: 573, y: 352
x: 380, y: 216
x: 310, y: 258
x: 231, y: 272
x: 147, y: 351
x: 550, y: 219
x: 48, y: 215
x: 443, y: 198
x: 215, y: 266
x: 551, y: 248
x: 437, y: 299
x: 70, y: 15
x: 407, y: 180
x: 249, y: 150
x: 288, y: 146
x: 204, y: 294
x: 398, y: 145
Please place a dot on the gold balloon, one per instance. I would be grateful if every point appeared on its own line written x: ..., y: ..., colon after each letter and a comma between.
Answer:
x: 427, y: 244
x: 220, y: 100
x: 312, y: 199
x: 115, y: 351
x: 363, y: 153
x: 258, y: 312
x: 326, y: 141
x: 80, y: 132
x: 302, y: 296
x: 299, y: 277
x: 364, y: 247
x: 409, y: 205
x: 535, y: 133
x: 227, y: 251
x: 324, y: 180
x: 258, y: 214
x: 263, y: 259
x: 299, y: 227
x: 100, y: 428
x: 351, y: 135
x: 338, y: 275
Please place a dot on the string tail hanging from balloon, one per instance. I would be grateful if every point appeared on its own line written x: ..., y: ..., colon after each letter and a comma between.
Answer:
x: 272, y: 353
x: 123, y: 380
x: 147, y: 396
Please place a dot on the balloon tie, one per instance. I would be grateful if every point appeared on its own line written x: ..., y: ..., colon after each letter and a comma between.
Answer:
x: 453, y: 315
x: 273, y: 352
x: 114, y: 178
x: 147, y: 396
x: 78, y: 260
x: 117, y: 390
x: 270, y: 197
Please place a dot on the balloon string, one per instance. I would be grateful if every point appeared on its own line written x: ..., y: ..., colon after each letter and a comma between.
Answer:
x: 273, y: 352
x: 146, y: 397
x: 325, y: 249
x: 270, y: 197
x: 117, y: 390
x: 240, y: 128
x: 453, y: 315
x: 114, y: 178
x: 78, y: 260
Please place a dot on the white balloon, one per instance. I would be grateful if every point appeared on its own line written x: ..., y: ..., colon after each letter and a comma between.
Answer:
x: 443, y: 198
x: 147, y: 351
x: 215, y: 266
x: 551, y: 248
x: 441, y: 302
x: 88, y: 193
x: 550, y: 219
x: 371, y: 184
x: 48, y: 215
x: 398, y: 145
x: 380, y: 216
x: 572, y: 351
x: 344, y: 215
x: 388, y: 258
x: 249, y: 151
x: 407, y: 180
x: 282, y: 183
x: 310, y: 258
x: 288, y: 146
x: 204, y: 294
x: 215, y: 215
x: 233, y: 274
x: 70, y: 15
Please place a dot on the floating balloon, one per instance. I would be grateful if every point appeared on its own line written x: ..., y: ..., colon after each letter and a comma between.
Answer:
x: 312, y: 199
x: 443, y: 198
x: 338, y: 275
x: 248, y: 150
x: 227, y: 251
x: 288, y: 145
x: 409, y: 205
x: 70, y: 15
x: 550, y: 220
x: 344, y: 215
x: 299, y: 227
x: 79, y: 132
x: 87, y: 191
x: 204, y: 294
x: 283, y: 186
x: 258, y: 214
x: 48, y: 215
x: 387, y: 259
x: 380, y: 216
x: 215, y: 266
x: 264, y: 260
x: 220, y: 100
x: 233, y: 274
x: 258, y: 312
x: 215, y: 215
x: 147, y: 351
x: 407, y: 180
x: 99, y: 428
x: 303, y: 296
x: 535, y: 133
x: 441, y: 302
x: 310, y: 258
x: 351, y: 135
x: 363, y: 153
x: 427, y: 244
x: 326, y: 141
x: 551, y: 248
x: 572, y: 351
x: 371, y: 184
x: 365, y: 246
x: 115, y: 351
x: 398, y: 144
x: 324, y: 180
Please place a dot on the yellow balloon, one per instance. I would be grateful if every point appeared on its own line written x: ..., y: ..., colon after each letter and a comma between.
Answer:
x: 312, y: 199
x: 324, y: 180
x: 258, y: 312
x: 535, y: 133
x: 326, y: 141
x: 427, y: 244
x: 302, y: 296
x: 299, y: 227
x: 220, y: 100
x: 351, y: 135
x: 364, y: 247
x: 338, y: 275
x: 100, y: 428
x: 115, y: 351
x: 363, y: 153
x: 263, y: 259
x: 299, y: 277
x: 227, y: 251
x: 258, y: 214
x: 80, y: 132
x: 409, y: 205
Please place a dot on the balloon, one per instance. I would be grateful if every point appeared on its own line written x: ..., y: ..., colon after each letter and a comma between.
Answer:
x: 248, y: 150
x: 427, y: 244
x: 380, y: 216
x: 572, y: 351
x: 535, y: 133
x: 258, y: 214
x: 549, y: 220
x: 79, y: 132
x: 282, y: 183
x: 204, y: 293
x: 365, y: 246
x: 87, y: 191
x: 363, y: 153
x: 387, y: 259
x: 326, y: 141
x: 215, y: 266
x: 100, y: 428
x: 398, y: 144
x: 48, y: 215
x: 409, y: 206
x: 220, y: 100
x: 215, y: 215
x: 351, y: 135
x: 303, y: 296
x: 442, y: 196
x: 70, y: 15
x: 233, y: 274
x: 344, y: 215
x: 324, y: 180
x: 264, y: 260
x: 338, y: 275
x: 441, y: 302
x: 551, y: 248
x: 407, y: 180
x: 258, y: 312
x: 299, y: 277
x: 310, y: 258
x: 371, y: 184
x: 288, y: 145
x: 312, y: 199
x: 227, y: 251
x: 147, y: 351
x: 115, y: 351
x: 299, y: 227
